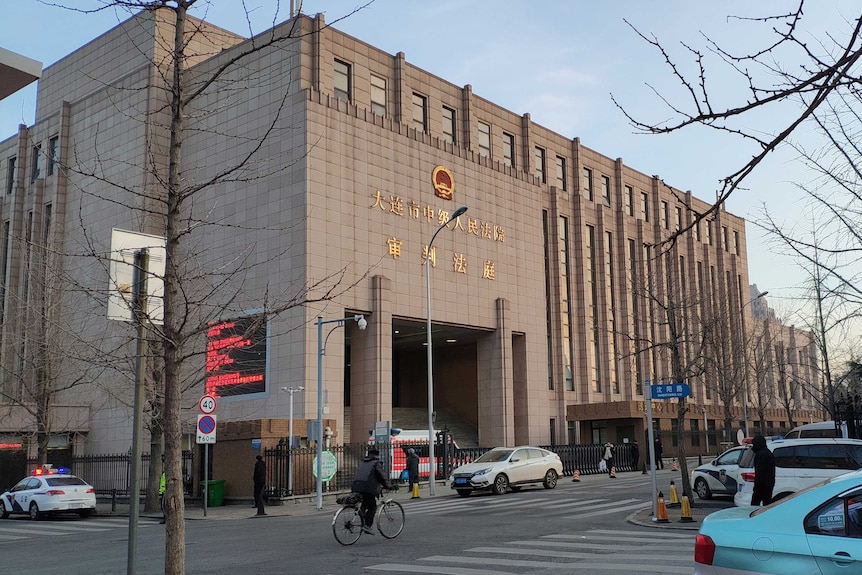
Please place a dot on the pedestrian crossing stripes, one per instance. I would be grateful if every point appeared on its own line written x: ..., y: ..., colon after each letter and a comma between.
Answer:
x: 511, y: 505
x: 600, y: 550
x: 17, y: 529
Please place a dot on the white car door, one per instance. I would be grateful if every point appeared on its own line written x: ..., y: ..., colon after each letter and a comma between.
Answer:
x: 519, y: 466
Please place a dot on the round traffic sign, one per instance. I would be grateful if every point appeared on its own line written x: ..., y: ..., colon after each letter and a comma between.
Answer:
x: 206, y: 424
x: 328, y: 466
x: 207, y: 404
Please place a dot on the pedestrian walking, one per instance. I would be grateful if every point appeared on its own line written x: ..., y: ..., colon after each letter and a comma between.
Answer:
x: 659, y: 463
x: 369, y: 480
x: 259, y: 478
x: 764, y: 472
x: 609, y: 458
x: 636, y: 454
x: 412, y: 468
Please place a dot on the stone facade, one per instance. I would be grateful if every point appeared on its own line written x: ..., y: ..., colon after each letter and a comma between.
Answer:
x: 537, y: 290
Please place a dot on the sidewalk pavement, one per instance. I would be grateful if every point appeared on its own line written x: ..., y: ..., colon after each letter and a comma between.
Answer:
x: 243, y: 507
x: 699, y: 510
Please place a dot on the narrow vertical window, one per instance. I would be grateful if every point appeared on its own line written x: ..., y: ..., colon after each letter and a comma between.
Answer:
x: 484, y: 140
x: 610, y: 307
x: 509, y: 150
x: 450, y: 134
x: 725, y: 243
x: 540, y: 164
x: 736, y: 242
x: 548, y: 320
x: 566, y: 334
x: 709, y: 232
x: 629, y: 200
x: 10, y: 175
x: 678, y: 219
x: 378, y: 95
x: 53, y: 154
x: 588, y: 184
x: 606, y: 191
x: 36, y: 163
x: 592, y: 310
x: 341, y: 80
x: 644, y: 206
x: 697, y: 231
x: 665, y: 216
x: 561, y: 173
x: 420, y: 112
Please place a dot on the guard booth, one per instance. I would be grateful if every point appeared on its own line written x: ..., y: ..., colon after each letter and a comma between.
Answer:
x: 13, y: 461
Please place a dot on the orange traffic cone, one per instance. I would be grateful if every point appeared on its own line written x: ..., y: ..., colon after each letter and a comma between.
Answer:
x: 577, y: 476
x: 661, y: 510
x: 673, y: 466
x: 613, y: 472
x: 685, y: 512
x: 674, y: 496
x: 415, y: 491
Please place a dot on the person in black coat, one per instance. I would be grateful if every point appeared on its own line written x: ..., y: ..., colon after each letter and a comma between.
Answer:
x: 259, y: 478
x: 636, y: 454
x: 659, y: 448
x: 412, y: 468
x: 764, y: 472
x: 369, y: 481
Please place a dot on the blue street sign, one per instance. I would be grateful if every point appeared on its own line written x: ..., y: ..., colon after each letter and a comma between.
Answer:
x: 669, y: 390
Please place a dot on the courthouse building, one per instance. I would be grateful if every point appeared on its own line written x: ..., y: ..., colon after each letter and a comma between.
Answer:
x: 545, y: 295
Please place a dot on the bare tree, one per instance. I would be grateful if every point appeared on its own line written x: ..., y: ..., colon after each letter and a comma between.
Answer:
x: 199, y: 286
x: 678, y: 338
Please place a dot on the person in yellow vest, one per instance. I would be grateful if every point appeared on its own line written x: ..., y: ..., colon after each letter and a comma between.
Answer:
x: 162, y: 493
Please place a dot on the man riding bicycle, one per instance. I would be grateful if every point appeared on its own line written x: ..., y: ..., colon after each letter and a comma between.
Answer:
x: 369, y: 480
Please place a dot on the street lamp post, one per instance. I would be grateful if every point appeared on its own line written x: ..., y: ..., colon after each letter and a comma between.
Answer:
x: 321, y: 350
x: 432, y: 464
x: 745, y: 360
x: 291, y: 391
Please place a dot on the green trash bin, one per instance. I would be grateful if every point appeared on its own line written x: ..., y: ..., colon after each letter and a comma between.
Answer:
x: 215, y: 492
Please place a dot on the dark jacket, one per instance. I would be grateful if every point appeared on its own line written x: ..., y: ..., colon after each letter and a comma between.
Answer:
x: 370, y: 476
x: 636, y: 454
x: 764, y: 471
x: 413, y: 464
x: 259, y: 472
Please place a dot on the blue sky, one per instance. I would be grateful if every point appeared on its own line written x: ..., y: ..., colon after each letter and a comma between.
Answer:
x: 558, y: 60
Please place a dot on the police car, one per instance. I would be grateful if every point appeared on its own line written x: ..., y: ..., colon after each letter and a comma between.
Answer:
x: 48, y: 491
x: 719, y: 476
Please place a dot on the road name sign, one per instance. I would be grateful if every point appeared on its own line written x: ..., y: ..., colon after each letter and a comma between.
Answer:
x: 669, y: 390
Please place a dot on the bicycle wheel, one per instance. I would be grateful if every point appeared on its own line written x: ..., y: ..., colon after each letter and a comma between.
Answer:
x: 347, y: 525
x: 390, y: 519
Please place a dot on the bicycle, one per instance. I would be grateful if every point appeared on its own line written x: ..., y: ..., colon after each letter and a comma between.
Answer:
x: 348, y: 521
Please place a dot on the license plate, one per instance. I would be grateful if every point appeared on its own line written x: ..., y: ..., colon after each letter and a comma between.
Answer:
x: 460, y: 480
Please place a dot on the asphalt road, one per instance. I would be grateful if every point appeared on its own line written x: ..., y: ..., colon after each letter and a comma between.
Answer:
x: 575, y: 528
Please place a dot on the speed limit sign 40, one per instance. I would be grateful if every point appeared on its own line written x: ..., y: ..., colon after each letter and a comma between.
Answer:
x: 207, y: 404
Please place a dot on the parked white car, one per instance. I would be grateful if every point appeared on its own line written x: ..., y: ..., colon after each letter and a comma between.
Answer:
x: 800, y: 463
x: 719, y: 476
x: 504, y: 468
x: 49, y: 491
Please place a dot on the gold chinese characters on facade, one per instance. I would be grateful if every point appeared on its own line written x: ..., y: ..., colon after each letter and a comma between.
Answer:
x: 444, y: 186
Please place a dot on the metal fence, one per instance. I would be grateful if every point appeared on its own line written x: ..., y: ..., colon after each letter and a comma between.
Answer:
x: 584, y: 458
x: 111, y: 474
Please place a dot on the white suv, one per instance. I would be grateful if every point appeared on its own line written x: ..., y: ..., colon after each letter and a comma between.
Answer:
x: 800, y: 463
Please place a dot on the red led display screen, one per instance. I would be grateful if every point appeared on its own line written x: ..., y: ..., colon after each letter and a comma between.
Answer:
x: 236, y: 357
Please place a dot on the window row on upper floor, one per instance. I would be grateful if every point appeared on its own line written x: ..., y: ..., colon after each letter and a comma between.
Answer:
x: 557, y: 174
x: 48, y: 157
